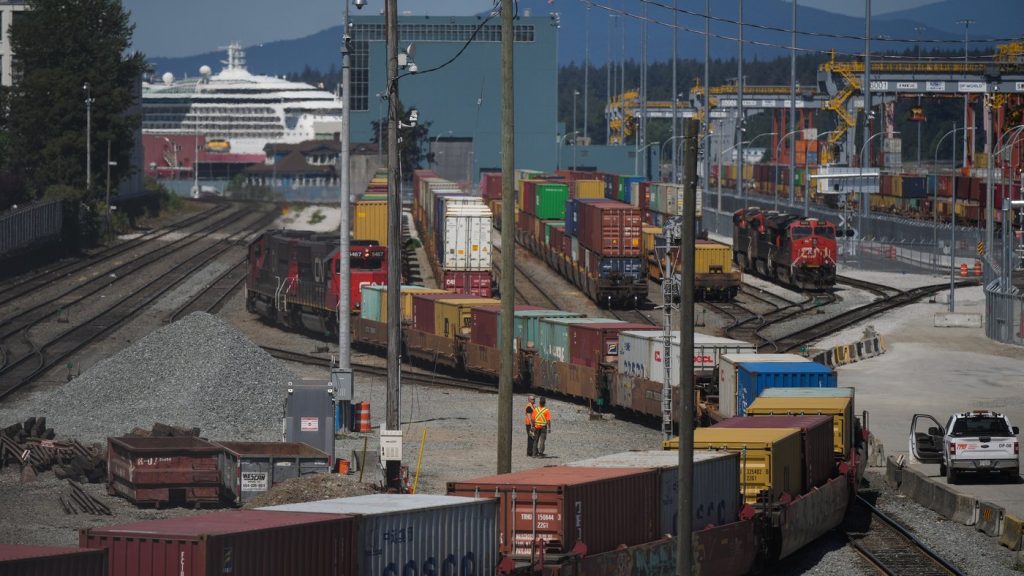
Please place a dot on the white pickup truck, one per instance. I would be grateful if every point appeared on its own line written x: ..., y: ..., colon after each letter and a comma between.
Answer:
x: 979, y: 441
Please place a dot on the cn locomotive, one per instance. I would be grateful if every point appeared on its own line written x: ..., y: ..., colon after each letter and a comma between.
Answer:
x: 784, y: 248
x: 293, y: 278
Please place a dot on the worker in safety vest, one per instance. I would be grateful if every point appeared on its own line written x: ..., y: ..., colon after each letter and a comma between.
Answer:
x: 528, y: 421
x: 541, y: 427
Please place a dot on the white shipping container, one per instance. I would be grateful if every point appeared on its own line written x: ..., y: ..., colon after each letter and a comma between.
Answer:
x: 706, y: 352
x: 728, y: 366
x: 716, y: 478
x: 467, y: 238
x: 575, y: 249
x: 420, y: 533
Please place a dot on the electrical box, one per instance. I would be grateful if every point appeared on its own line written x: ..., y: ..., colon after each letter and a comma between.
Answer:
x: 390, y: 445
x: 342, y: 381
x: 309, y: 414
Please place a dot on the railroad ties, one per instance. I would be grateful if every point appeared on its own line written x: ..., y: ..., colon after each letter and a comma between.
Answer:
x: 892, y: 548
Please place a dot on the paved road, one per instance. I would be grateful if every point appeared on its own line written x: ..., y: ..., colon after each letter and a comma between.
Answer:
x: 937, y: 371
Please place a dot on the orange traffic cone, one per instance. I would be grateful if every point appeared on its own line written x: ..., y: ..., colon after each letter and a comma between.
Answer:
x: 977, y: 267
x: 963, y: 270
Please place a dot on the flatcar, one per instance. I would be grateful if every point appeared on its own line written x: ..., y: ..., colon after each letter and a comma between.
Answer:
x: 292, y: 278
x: 785, y: 248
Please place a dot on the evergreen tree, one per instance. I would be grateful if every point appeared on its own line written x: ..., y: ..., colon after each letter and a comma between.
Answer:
x: 60, y: 46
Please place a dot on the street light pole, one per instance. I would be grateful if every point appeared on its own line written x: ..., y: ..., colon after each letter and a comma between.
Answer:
x: 88, y: 136
x: 575, y: 139
x: 966, y: 24
x: 342, y: 372
x: 636, y: 160
x: 919, y: 30
x: 807, y: 178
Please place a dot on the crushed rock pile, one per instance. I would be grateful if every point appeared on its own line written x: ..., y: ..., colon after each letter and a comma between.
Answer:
x: 198, y: 372
x: 312, y: 487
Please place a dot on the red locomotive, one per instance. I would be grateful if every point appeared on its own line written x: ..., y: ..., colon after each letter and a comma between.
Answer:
x: 293, y: 277
x: 788, y: 249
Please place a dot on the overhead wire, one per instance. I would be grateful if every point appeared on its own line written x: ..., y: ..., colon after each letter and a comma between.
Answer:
x: 650, y: 20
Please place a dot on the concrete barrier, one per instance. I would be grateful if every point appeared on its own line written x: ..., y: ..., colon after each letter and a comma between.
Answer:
x: 1011, y: 532
x: 952, y: 504
x: 957, y: 320
x: 893, y: 473
x: 990, y: 518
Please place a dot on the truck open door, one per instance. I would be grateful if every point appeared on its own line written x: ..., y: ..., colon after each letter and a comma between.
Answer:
x: 926, y: 444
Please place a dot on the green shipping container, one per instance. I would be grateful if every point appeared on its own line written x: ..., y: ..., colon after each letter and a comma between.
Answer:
x: 527, y: 324
x: 371, y: 302
x: 551, y: 199
x: 553, y: 336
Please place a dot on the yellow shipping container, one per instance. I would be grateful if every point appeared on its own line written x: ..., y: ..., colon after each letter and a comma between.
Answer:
x: 590, y: 188
x: 650, y: 258
x: 407, y: 294
x: 713, y: 257
x: 452, y: 316
x: 770, y: 458
x: 371, y: 221
x: 839, y: 408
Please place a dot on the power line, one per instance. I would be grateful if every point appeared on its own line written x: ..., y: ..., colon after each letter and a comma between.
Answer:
x: 787, y: 47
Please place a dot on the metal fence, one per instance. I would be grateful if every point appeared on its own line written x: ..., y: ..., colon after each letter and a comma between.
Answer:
x: 30, y: 224
x: 1004, y: 315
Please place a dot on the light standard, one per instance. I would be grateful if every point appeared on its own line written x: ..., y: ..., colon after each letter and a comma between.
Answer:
x: 88, y: 136
x: 195, y: 158
x: 636, y: 159
x: 775, y: 205
x: 864, y: 195
x: 433, y: 157
x: 935, y: 202
x: 559, y: 144
x: 739, y: 162
x: 967, y: 24
x: 807, y: 178
x: 919, y: 30
x: 663, y: 144
x: 380, y: 127
x: 575, y: 96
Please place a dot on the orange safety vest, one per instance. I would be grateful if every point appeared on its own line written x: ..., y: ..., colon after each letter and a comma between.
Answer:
x: 541, y: 417
x: 530, y: 410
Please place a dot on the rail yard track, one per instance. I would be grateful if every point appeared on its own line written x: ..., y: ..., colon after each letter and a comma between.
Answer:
x: 531, y: 294
x: 37, y: 358
x: 212, y: 297
x: 892, y: 549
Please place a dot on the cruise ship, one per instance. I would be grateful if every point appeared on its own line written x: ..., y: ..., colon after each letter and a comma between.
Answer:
x: 240, y: 111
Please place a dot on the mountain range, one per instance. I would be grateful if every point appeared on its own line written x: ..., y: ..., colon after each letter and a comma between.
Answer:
x: 765, y: 33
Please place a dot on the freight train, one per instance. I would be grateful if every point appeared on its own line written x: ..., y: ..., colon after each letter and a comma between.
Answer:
x: 764, y: 487
x: 293, y: 280
x: 788, y: 249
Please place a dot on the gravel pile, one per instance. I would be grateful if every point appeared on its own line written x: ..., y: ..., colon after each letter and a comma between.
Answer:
x: 313, y: 487
x: 198, y: 372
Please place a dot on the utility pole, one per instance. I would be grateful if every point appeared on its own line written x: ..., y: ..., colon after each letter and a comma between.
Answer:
x: 865, y: 157
x: 341, y: 374
x: 707, y: 101
x: 792, y: 109
x: 508, y: 241
x: 687, y: 250
x: 394, y: 390
x: 586, y: 80
x: 675, y: 92
x: 740, y: 128
x: 109, y: 229
x: 88, y: 136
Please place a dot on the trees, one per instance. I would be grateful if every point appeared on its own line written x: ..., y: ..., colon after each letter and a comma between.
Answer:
x: 411, y: 142
x: 60, y: 46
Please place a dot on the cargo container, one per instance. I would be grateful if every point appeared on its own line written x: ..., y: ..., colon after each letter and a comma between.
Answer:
x: 164, y: 470
x: 249, y: 469
x: 716, y: 488
x: 727, y: 370
x: 641, y: 354
x: 770, y: 459
x: 589, y: 189
x: 593, y: 344
x: 840, y: 406
x: 490, y: 185
x: 423, y: 305
x: 527, y: 325
x: 477, y: 283
x: 467, y: 238
x: 486, y: 324
x: 435, y: 534
x: 375, y: 301
x: 19, y: 560
x: 229, y: 542
x: 370, y: 221
x: 545, y: 200
x: 558, y: 507
x: 553, y: 343
x: 452, y: 316
x: 754, y: 377
x: 612, y: 267
x: 815, y: 436
x: 609, y: 228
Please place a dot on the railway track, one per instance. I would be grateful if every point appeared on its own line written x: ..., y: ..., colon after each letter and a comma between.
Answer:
x: 369, y: 369
x: 633, y: 316
x: 877, y: 289
x: 21, y: 371
x: 212, y: 297
x: 29, y: 284
x: 892, y: 549
x: 750, y: 325
x: 533, y: 294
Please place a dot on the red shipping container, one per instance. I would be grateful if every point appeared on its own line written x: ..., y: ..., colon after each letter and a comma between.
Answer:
x: 555, y: 241
x: 817, y: 437
x: 944, y: 184
x: 591, y: 344
x: 490, y: 185
x: 484, y: 320
x: 230, y: 542
x: 556, y: 507
x: 464, y: 282
x: 423, y: 309
x: 163, y: 470
x: 528, y: 202
x: 644, y: 191
x: 609, y: 228
x: 18, y: 560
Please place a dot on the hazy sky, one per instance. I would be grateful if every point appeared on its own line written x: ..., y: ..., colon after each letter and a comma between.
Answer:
x: 185, y: 27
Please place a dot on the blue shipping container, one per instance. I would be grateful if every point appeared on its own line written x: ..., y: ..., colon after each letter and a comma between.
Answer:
x: 914, y: 187
x: 570, y: 218
x: 625, y: 268
x: 755, y: 377
x: 627, y: 187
